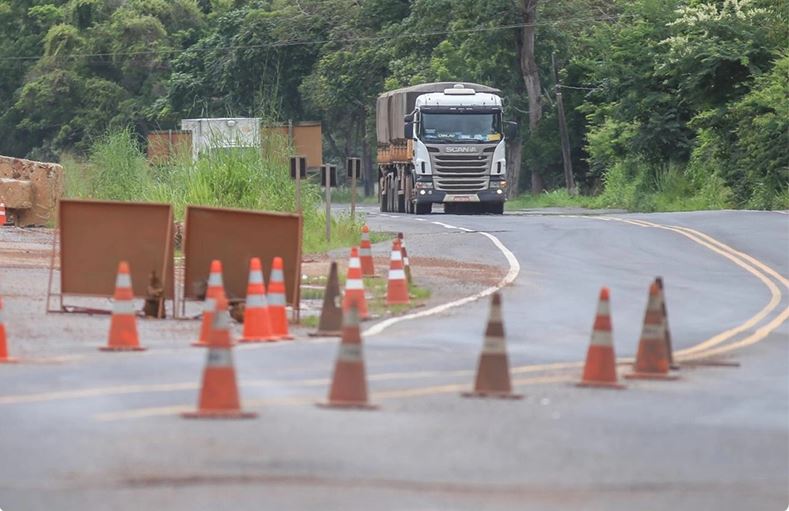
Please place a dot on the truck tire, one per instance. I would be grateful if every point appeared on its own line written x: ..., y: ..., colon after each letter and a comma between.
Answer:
x: 384, y: 197
x: 496, y: 208
x: 424, y: 208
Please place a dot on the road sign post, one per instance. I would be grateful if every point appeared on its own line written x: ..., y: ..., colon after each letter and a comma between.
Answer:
x: 353, y: 168
x: 329, y: 179
x: 298, y: 171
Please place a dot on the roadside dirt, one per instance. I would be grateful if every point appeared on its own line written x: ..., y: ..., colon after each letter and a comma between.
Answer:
x: 25, y: 256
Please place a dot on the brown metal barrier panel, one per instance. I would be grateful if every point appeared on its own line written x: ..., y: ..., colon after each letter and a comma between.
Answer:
x: 96, y: 235
x: 234, y: 236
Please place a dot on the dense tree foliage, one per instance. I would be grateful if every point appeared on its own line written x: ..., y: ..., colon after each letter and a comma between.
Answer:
x: 689, y: 95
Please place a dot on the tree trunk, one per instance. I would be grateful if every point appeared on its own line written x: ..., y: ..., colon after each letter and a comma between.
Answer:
x: 367, y: 158
x: 514, y: 157
x: 531, y: 78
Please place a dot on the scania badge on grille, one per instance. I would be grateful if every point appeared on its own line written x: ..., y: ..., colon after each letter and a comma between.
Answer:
x: 461, y: 149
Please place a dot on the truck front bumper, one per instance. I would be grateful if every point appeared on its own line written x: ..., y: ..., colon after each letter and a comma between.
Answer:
x: 434, y: 196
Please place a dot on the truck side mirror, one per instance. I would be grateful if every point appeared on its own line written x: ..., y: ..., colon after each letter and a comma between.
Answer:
x: 510, y: 129
x: 408, y: 130
x: 408, y: 118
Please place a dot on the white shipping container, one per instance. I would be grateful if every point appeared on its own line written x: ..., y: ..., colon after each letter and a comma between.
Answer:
x: 208, y: 134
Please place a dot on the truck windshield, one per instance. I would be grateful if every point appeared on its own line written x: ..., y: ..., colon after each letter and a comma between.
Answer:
x: 460, y: 127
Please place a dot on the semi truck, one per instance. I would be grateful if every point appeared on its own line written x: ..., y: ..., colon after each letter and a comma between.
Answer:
x: 441, y: 143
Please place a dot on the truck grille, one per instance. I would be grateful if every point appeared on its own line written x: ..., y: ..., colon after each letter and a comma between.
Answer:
x: 460, y: 173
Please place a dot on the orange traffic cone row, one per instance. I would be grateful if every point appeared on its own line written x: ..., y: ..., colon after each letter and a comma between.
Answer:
x: 354, y: 286
x: 664, y: 312
x: 600, y: 368
x: 3, y: 217
x: 276, y: 301
x: 349, y: 383
x: 493, y: 370
x: 219, y: 391
x: 213, y: 291
x: 330, y: 322
x: 366, y: 254
x: 397, y: 287
x: 257, y: 323
x: 123, y: 325
x: 652, y: 357
x: 4, y: 358
x: 406, y: 262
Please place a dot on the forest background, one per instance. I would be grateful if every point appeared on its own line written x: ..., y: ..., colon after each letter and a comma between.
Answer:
x: 670, y: 104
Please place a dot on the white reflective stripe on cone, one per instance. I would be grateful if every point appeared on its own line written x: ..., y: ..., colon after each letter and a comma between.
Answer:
x: 123, y: 307
x: 256, y: 301
x: 602, y: 338
x: 219, y: 357
x: 350, y: 352
x: 123, y: 280
x: 354, y: 263
x: 2, y: 317
x: 209, y: 305
x: 277, y: 299
x: 396, y: 275
x: 397, y: 255
x: 221, y: 321
x: 256, y: 277
x: 494, y: 345
x: 653, y: 331
x: 354, y: 284
x: 215, y: 280
x: 604, y: 309
x: 277, y: 276
x: 365, y: 251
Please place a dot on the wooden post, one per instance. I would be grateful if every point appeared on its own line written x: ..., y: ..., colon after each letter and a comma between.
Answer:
x: 569, y: 180
x: 327, y: 184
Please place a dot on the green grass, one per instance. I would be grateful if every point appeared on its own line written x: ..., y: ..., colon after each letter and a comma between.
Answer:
x: 554, y: 199
x: 375, y: 289
x: 239, y: 178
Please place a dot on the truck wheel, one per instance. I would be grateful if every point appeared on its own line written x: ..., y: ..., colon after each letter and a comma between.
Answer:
x: 496, y: 208
x: 384, y: 197
x: 424, y: 208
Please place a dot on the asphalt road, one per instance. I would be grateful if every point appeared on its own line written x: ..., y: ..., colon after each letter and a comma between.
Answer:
x: 103, y: 431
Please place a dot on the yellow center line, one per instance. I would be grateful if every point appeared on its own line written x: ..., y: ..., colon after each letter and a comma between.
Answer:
x: 702, y: 349
x: 256, y: 404
x: 730, y: 254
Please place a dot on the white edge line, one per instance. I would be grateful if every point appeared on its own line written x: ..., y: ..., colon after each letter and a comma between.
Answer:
x: 509, y: 278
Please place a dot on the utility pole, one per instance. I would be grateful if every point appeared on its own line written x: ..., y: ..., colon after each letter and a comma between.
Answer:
x: 569, y: 180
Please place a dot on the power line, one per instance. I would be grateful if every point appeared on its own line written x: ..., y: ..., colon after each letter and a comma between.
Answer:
x: 296, y: 42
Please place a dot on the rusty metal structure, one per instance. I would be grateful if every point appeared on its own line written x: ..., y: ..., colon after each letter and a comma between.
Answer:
x: 94, y: 236
x: 235, y: 236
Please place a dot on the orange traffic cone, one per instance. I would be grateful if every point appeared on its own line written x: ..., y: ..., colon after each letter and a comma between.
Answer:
x: 366, y: 254
x: 600, y: 368
x: 652, y: 357
x: 664, y: 312
x: 257, y: 323
x: 354, y: 286
x: 349, y: 383
x: 214, y: 289
x: 276, y: 301
x: 406, y: 262
x: 219, y: 391
x: 493, y: 371
x: 3, y: 217
x: 123, y: 325
x: 397, y: 288
x: 4, y: 358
